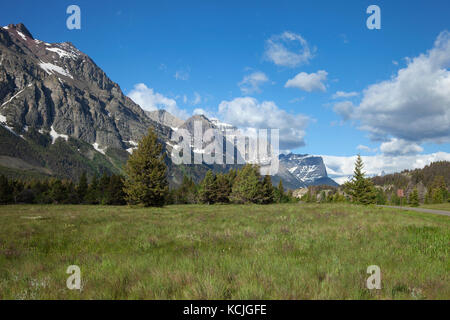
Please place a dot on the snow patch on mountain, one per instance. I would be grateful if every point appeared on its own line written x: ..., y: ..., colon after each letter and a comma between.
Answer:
x: 307, y: 169
x: 97, y: 147
x: 62, y: 53
x: 134, y: 146
x: 13, y: 97
x: 21, y: 35
x: 51, y: 68
x: 55, y: 135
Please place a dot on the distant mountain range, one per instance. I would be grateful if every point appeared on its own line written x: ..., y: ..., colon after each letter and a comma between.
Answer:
x: 61, y: 115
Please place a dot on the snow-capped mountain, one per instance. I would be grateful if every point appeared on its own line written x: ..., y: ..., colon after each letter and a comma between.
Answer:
x: 301, y: 170
x: 306, y: 168
x: 61, y: 115
x: 55, y: 88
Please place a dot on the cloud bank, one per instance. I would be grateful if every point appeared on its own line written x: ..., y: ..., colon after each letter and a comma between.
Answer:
x: 341, y: 168
x: 247, y: 112
x: 252, y: 82
x: 411, y: 108
x: 150, y: 100
x: 308, y: 81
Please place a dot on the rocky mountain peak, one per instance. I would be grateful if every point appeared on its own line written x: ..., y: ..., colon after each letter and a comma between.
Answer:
x: 304, y: 170
x: 54, y: 87
x: 163, y: 117
x: 21, y: 28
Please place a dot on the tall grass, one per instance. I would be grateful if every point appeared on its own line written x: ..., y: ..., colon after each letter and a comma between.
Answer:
x: 290, y: 251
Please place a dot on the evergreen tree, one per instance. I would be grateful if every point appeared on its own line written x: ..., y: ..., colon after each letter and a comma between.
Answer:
x: 17, y: 188
x: 71, y: 193
x: 82, y: 187
x: 414, y: 198
x: 146, y: 180
x: 359, y: 188
x: 5, y: 190
x: 330, y: 197
x: 439, y: 190
x: 103, y: 188
x: 92, y: 196
x: 223, y: 189
x: 280, y: 192
x: 115, y: 194
x: 208, y: 190
x: 231, y: 175
x: 57, y: 191
x: 179, y: 196
x: 247, y: 185
x: 267, y: 194
x: 186, y: 193
x: 395, y: 200
x: 190, y: 191
x: 381, y: 198
x: 43, y: 193
x: 429, y: 196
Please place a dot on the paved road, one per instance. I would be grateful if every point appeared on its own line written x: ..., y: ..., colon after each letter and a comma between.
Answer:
x: 441, y: 212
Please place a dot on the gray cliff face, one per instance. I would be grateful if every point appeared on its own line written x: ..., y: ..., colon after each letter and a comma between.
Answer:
x: 304, y: 170
x: 165, y: 118
x: 57, y: 88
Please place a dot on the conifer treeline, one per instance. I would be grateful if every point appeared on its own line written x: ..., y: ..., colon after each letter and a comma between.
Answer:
x: 361, y: 190
x: 106, y: 190
x: 146, y: 183
x: 237, y: 186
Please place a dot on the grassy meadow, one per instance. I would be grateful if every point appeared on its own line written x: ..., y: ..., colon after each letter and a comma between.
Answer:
x: 439, y: 206
x: 288, y: 251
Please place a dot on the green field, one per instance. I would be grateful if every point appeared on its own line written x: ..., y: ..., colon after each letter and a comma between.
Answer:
x: 291, y: 251
x: 439, y: 206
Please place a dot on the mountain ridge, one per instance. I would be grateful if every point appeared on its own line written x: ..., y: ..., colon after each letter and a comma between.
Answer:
x: 59, y: 105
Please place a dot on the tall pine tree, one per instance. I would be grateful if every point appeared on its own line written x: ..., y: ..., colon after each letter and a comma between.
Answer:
x: 247, y: 185
x: 208, y: 190
x: 223, y: 188
x: 146, y: 178
x: 414, y: 198
x: 92, y: 196
x: 267, y: 194
x: 360, y: 188
x: 82, y: 187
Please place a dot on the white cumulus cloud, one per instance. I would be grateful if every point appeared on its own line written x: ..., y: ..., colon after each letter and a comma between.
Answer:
x: 400, y: 147
x: 344, y: 109
x: 343, y: 94
x: 252, y: 82
x: 366, y: 148
x: 150, y: 100
x: 341, y: 168
x: 414, y: 105
x: 288, y: 49
x: 247, y: 112
x: 308, y: 81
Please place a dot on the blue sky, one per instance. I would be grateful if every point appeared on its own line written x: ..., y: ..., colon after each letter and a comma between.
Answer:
x: 199, y: 53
